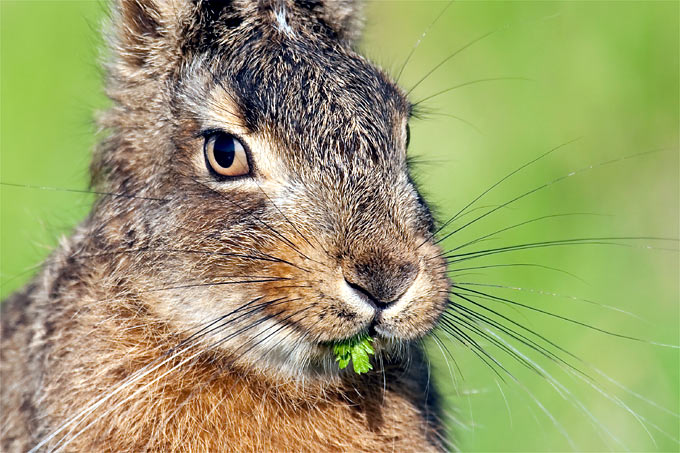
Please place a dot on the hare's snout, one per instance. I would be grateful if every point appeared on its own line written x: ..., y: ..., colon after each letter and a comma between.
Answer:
x: 393, y: 289
x: 380, y: 291
x: 383, y: 281
x: 372, y: 286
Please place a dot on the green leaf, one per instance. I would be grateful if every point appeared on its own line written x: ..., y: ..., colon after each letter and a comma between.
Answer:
x: 358, y: 349
x: 342, y: 362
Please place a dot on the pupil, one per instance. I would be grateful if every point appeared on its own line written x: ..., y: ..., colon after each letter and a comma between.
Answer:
x: 224, y: 150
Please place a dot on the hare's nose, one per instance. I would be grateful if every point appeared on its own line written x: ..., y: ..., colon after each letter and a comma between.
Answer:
x: 381, y: 281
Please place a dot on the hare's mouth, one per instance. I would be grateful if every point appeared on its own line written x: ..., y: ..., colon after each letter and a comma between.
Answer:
x: 372, y: 313
x: 410, y: 312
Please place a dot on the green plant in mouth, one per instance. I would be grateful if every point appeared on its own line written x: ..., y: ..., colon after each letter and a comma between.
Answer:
x: 357, y: 349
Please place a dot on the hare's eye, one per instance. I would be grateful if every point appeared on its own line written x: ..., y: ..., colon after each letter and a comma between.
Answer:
x: 408, y: 135
x: 226, y: 155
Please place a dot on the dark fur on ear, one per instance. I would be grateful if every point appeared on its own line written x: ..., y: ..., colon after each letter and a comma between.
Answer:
x: 346, y: 17
x: 343, y: 16
x: 137, y: 33
x: 149, y: 34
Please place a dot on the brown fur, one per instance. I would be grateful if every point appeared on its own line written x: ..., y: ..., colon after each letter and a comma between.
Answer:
x: 192, y: 313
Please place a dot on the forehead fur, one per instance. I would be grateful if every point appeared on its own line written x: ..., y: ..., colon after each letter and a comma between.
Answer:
x: 287, y: 66
x: 283, y: 66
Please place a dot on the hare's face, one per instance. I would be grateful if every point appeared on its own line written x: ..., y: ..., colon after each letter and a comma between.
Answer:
x: 292, y: 218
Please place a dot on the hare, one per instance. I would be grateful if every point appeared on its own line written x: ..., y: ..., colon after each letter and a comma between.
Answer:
x: 256, y: 210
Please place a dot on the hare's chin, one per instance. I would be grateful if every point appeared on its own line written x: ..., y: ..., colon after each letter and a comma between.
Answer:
x: 391, y: 333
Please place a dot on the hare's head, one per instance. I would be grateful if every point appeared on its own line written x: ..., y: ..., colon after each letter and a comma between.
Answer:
x: 272, y: 201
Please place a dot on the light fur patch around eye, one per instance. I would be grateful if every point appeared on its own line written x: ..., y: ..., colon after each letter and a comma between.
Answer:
x: 222, y: 113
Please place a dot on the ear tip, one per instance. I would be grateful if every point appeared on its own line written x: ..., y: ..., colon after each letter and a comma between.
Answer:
x: 138, y: 16
x: 345, y: 17
x: 134, y: 26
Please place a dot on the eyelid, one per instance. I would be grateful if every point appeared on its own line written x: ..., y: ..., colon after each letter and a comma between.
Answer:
x: 203, y: 133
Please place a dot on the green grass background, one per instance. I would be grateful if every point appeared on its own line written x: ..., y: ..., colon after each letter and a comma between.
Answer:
x: 606, y: 72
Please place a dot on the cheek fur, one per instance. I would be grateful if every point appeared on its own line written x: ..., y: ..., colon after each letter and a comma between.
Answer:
x: 291, y: 287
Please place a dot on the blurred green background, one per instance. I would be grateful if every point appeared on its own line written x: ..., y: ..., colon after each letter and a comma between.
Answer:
x: 604, y: 72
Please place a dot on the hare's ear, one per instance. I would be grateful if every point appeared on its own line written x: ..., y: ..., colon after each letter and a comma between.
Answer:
x: 135, y: 30
x: 142, y: 33
x: 154, y: 35
x: 344, y: 16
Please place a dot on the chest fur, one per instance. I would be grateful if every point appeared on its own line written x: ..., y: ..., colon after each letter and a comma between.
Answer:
x: 207, y: 411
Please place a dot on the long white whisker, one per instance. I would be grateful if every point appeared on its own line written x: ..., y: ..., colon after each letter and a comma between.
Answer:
x: 559, y: 387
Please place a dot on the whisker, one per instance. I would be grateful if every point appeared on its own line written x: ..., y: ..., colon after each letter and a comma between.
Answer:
x: 156, y: 379
x: 548, y: 184
x: 553, y: 294
x: 539, y: 266
x: 476, y: 349
x: 459, y: 50
x: 263, y: 257
x: 608, y: 241
x: 505, y: 400
x: 268, y: 317
x: 563, y: 318
x: 420, y: 39
x: 82, y: 191
x: 199, y: 285
x: 522, y: 339
x: 456, y: 52
x: 442, y: 347
x: 563, y: 391
x: 134, y: 377
x: 580, y: 374
x: 493, y: 186
x: 471, y: 82
x: 470, y: 324
x: 517, y: 225
x: 560, y: 388
x: 196, y: 390
x: 462, y: 120
x: 209, y: 328
x: 292, y: 330
x: 265, y: 224
x: 635, y: 394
